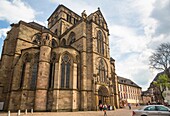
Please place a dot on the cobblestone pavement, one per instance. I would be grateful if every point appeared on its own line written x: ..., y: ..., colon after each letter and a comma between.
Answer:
x: 117, y: 112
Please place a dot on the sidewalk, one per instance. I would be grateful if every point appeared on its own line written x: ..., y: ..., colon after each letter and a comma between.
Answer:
x: 118, y: 112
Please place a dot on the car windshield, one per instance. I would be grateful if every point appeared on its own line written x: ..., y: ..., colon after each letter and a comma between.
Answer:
x: 150, y: 108
x: 162, y: 108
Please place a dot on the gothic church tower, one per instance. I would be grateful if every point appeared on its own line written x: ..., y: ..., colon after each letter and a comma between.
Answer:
x: 65, y: 67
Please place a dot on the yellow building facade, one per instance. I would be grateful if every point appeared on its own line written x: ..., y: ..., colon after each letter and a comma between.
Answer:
x: 129, y: 92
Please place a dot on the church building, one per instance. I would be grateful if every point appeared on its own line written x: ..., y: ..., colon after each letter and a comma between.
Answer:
x: 63, y: 67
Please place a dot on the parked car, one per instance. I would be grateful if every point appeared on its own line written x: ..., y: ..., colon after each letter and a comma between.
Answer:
x: 152, y: 110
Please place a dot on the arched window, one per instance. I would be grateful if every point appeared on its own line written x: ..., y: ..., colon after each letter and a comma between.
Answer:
x: 47, y: 37
x: 56, y: 32
x: 100, y: 43
x: 78, y: 71
x: 102, y: 71
x: 54, y: 43
x: 63, y: 43
x: 25, y: 59
x: 37, y: 38
x: 22, y: 75
x: 52, y: 71
x: 65, y: 71
x: 71, y: 38
x: 34, y: 73
x: 34, y: 76
x: 95, y: 18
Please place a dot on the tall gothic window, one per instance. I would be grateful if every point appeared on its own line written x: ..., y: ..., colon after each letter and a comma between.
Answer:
x: 22, y: 75
x: 71, y: 38
x: 68, y: 18
x: 54, y: 43
x: 34, y: 73
x: 65, y: 71
x: 51, y: 75
x: 78, y: 71
x: 63, y: 43
x: 25, y: 59
x: 100, y: 43
x: 34, y: 76
x: 52, y: 71
x: 56, y: 32
x: 102, y: 71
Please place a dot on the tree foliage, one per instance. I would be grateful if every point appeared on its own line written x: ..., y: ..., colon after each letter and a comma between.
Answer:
x: 162, y: 83
x: 160, y: 59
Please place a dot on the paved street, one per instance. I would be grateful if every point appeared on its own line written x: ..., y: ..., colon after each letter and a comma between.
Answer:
x: 118, y: 112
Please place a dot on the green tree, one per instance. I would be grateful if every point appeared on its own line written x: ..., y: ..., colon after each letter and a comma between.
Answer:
x: 162, y: 83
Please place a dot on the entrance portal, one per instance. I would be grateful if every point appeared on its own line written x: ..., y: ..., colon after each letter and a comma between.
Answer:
x: 103, y: 95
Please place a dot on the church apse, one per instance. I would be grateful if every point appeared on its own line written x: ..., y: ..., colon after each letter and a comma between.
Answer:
x: 63, y: 67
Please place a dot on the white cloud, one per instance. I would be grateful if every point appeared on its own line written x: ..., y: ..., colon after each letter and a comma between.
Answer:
x: 136, y: 68
x: 133, y: 33
x: 3, y: 32
x: 136, y: 29
x: 131, y: 46
x: 45, y: 23
x: 16, y: 10
x: 124, y: 40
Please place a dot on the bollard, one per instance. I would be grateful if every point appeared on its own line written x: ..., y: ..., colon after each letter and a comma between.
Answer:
x: 18, y: 113
x: 8, y: 113
x: 26, y: 111
x: 31, y: 111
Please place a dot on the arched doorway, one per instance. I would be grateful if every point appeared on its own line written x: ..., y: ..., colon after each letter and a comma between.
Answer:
x: 103, y: 95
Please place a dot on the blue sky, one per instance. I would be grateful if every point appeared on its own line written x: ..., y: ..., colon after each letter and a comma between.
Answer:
x: 136, y: 28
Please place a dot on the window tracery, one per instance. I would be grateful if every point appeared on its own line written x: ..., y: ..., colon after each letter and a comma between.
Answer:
x: 63, y: 43
x: 102, y: 72
x: 71, y: 38
x: 65, y: 71
x: 34, y: 72
x: 25, y: 59
x: 100, y: 43
x: 37, y: 39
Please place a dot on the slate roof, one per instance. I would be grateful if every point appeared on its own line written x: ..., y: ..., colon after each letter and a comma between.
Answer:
x: 126, y: 81
x: 156, y: 77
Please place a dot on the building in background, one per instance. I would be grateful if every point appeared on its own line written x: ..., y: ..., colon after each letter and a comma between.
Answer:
x: 63, y: 67
x: 146, y: 97
x: 129, y: 92
x: 155, y: 92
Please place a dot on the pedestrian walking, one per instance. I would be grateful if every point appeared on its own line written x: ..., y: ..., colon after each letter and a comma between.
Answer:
x: 104, y: 109
x: 100, y: 107
x: 136, y: 104
x: 108, y: 107
x: 129, y: 105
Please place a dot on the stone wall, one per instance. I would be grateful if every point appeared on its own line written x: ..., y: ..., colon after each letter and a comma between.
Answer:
x: 65, y: 100
x: 84, y: 65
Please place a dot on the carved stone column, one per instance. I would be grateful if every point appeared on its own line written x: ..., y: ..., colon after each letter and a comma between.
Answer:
x: 74, y: 93
x: 56, y: 88
x: 83, y: 96
x: 43, y: 74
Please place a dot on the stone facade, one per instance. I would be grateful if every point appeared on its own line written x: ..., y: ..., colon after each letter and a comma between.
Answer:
x: 65, y: 67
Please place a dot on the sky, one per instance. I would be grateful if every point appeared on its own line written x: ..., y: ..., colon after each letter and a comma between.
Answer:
x: 136, y: 27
